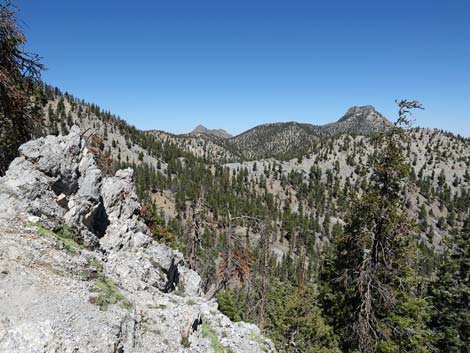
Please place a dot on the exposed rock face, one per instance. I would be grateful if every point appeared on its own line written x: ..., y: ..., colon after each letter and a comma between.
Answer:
x: 358, y: 120
x: 277, y: 139
x: 201, y: 129
x: 98, y: 282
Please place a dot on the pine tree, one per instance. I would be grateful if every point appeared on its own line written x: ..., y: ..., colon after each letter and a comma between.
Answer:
x: 377, y: 288
x: 451, y: 295
x: 295, y: 322
x: 19, y: 77
x: 227, y: 305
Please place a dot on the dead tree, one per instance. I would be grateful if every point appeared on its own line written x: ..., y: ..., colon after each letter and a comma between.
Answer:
x: 19, y: 77
x: 195, y: 230
x: 265, y: 273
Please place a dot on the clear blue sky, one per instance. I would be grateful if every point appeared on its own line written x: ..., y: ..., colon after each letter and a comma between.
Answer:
x: 173, y: 64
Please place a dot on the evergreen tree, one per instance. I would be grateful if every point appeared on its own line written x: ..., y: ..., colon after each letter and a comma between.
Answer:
x: 376, y: 283
x: 295, y: 321
x: 451, y: 295
x: 19, y: 77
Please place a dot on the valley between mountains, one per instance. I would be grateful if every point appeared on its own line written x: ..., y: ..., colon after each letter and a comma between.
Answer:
x: 346, y: 237
x: 256, y: 222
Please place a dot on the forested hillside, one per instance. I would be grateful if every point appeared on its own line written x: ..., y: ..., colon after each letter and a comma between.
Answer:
x: 359, y: 243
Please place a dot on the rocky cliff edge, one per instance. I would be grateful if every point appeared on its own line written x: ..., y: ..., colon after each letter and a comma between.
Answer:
x: 79, y: 271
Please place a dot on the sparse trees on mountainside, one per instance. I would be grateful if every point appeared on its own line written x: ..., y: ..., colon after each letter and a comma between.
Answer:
x: 375, y: 273
x: 321, y: 231
x: 157, y: 227
x: 19, y: 75
x: 450, y: 295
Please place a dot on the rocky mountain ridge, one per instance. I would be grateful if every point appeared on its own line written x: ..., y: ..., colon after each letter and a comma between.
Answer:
x: 277, y: 140
x: 201, y: 129
x: 283, y: 139
x: 207, y: 197
x: 344, y: 154
x: 79, y: 271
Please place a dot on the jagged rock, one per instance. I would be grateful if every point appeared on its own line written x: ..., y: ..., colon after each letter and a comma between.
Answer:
x: 26, y: 189
x: 190, y: 280
x: 117, y: 189
x: 277, y: 139
x: 56, y: 156
x: 201, y: 129
x: 90, y: 178
x: 62, y: 200
x: 54, y: 292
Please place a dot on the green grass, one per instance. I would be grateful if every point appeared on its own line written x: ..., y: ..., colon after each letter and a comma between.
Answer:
x: 157, y: 307
x: 258, y: 339
x: 208, y: 332
x: 108, y: 292
x: 96, y: 264
x: 63, y: 234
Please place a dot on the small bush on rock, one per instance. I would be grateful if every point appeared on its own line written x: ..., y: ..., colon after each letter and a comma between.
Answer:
x: 63, y: 234
x: 108, y: 293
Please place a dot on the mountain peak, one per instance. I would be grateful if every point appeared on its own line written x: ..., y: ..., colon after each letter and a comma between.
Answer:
x: 361, y: 109
x: 201, y: 129
x: 364, y: 114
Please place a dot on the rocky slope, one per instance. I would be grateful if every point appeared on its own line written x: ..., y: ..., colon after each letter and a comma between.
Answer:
x: 79, y: 271
x: 433, y: 155
x: 210, y: 147
x: 201, y: 129
x: 277, y: 140
x: 346, y: 156
x: 280, y: 139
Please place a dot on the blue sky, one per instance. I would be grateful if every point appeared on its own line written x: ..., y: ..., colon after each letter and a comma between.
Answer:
x: 173, y: 64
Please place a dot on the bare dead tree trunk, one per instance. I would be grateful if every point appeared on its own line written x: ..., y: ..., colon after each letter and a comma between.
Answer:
x: 265, y: 280
x: 229, y: 240
x: 195, y: 231
x: 301, y: 272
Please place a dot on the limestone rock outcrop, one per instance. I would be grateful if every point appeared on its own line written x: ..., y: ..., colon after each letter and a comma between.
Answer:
x: 79, y: 271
